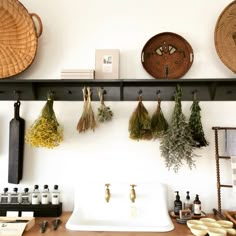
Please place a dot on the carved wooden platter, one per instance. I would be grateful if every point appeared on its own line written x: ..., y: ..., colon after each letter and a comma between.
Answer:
x: 167, y: 56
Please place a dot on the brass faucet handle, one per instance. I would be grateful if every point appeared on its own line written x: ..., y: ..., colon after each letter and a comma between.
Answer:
x: 107, y: 186
x: 133, y: 186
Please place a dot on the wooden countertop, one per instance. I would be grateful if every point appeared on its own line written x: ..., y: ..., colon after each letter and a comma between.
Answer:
x: 180, y: 229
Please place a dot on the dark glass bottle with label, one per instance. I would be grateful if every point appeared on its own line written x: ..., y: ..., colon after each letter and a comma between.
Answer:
x: 177, y: 204
x: 197, y: 206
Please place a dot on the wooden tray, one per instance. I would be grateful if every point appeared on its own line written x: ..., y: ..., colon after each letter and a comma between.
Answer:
x: 231, y: 215
x: 167, y: 56
x: 203, y: 214
x: 29, y: 225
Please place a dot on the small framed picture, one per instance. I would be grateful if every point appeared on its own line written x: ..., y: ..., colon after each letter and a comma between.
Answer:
x: 107, y: 64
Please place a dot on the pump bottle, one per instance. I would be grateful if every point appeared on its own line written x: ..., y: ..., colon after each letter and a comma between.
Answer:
x: 177, y: 204
x: 197, y: 206
x: 187, y: 202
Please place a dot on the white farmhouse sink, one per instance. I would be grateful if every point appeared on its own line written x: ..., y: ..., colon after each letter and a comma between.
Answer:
x: 149, y: 213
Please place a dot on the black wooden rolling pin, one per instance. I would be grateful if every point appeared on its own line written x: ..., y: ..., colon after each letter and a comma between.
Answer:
x: 16, y: 146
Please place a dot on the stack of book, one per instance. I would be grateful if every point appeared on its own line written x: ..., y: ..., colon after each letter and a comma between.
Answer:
x: 77, y: 74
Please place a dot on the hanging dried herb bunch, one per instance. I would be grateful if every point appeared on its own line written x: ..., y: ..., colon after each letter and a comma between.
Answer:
x: 158, y: 122
x: 140, y: 123
x: 104, y: 112
x: 195, y: 123
x: 45, y: 131
x: 177, y: 143
x: 87, y: 119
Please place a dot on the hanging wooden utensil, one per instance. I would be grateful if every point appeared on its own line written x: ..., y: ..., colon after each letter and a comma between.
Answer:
x: 16, y: 146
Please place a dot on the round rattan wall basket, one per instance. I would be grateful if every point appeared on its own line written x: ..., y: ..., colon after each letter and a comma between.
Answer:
x: 225, y: 36
x: 18, y: 37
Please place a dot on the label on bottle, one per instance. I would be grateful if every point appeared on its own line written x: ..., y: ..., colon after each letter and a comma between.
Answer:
x: 197, y: 209
x: 55, y: 198
x: 177, y: 208
x: 45, y: 198
x: 35, y: 198
x: 4, y: 199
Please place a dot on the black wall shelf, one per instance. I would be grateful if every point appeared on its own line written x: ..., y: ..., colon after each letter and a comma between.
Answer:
x: 119, y: 90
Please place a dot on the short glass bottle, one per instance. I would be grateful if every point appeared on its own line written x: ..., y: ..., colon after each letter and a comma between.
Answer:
x: 55, y: 195
x: 35, y: 196
x: 14, y: 196
x: 45, y: 195
x: 4, y: 199
x: 25, y: 196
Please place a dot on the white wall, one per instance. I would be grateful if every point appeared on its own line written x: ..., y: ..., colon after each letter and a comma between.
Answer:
x: 72, y: 31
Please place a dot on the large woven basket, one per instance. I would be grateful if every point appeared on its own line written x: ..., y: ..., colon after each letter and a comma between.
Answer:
x: 225, y: 36
x: 18, y: 37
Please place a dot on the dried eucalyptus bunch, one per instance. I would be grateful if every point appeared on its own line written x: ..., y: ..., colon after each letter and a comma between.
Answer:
x: 45, y: 131
x: 140, y: 123
x: 87, y: 119
x: 158, y: 122
x: 196, y: 124
x: 177, y: 143
x: 104, y: 112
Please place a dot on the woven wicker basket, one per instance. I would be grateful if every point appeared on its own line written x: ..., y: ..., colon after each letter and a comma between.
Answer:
x: 18, y: 37
x: 225, y: 36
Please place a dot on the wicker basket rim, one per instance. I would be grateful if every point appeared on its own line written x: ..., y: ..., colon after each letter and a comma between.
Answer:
x: 18, y: 37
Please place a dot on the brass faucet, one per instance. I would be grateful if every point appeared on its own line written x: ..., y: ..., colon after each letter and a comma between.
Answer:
x: 107, y: 193
x: 132, y: 195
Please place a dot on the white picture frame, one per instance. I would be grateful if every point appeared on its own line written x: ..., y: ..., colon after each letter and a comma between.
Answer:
x: 107, y: 64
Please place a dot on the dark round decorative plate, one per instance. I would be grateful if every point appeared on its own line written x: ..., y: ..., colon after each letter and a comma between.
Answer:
x: 167, y: 56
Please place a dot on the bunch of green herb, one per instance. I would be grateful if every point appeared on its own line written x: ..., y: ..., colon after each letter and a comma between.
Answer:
x: 104, y: 112
x: 158, y: 122
x: 45, y: 131
x: 140, y: 123
x: 196, y: 124
x: 177, y: 143
x: 87, y: 119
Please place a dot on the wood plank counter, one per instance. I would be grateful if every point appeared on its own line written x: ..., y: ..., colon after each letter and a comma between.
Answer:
x: 180, y: 230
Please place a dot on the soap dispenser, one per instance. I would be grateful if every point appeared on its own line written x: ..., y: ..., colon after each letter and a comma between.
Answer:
x: 197, y: 206
x: 177, y: 204
x: 187, y: 202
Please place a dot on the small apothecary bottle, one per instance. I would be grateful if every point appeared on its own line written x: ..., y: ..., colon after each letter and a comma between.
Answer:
x: 35, y: 196
x: 55, y: 195
x: 25, y: 196
x: 14, y: 196
x: 4, y: 199
x: 197, y: 206
x: 45, y: 195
